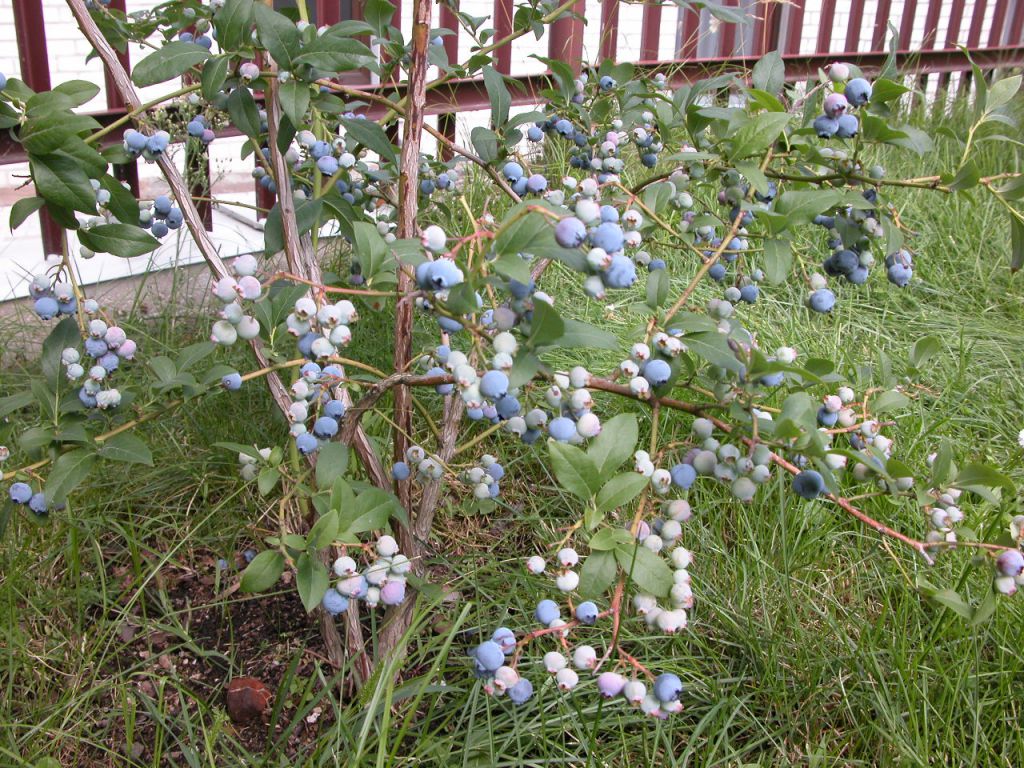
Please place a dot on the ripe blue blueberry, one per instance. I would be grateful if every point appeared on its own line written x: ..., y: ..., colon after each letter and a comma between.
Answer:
x: 325, y: 427
x: 848, y: 126
x: 562, y: 428
x: 334, y: 603
x: 717, y: 272
x: 231, y: 382
x: 858, y: 92
x: 570, y: 232
x: 20, y: 493
x: 586, y: 612
x: 657, y: 372
x: 899, y: 275
x: 505, y: 638
x: 809, y: 484
x: 521, y: 692
x: 46, y: 307
x: 667, y: 687
x: 546, y: 612
x: 494, y: 385
x: 609, y: 236
x: 606, y: 83
x: 38, y: 503
x: 400, y: 471
x: 512, y: 171
x: 826, y: 127
x: 683, y: 475
x: 306, y: 443
x: 489, y: 656
x: 822, y: 300
x: 533, y: 133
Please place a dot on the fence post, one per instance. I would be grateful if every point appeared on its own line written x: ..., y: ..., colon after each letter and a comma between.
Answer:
x: 30, y: 30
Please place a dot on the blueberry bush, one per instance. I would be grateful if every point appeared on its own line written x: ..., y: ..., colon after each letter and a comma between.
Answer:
x: 643, y: 188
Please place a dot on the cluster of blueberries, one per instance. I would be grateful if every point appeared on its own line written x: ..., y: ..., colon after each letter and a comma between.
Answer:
x: 234, y: 322
x: 316, y: 395
x: 22, y: 494
x: 495, y: 661
x: 598, y: 151
x: 837, y: 120
x: 199, y: 128
x: 161, y: 217
x: 485, y: 478
x: 605, y: 236
x: 428, y: 468
x: 381, y: 582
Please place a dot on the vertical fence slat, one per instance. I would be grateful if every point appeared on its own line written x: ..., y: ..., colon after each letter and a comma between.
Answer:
x: 828, y: 15
x: 451, y: 42
x: 1017, y: 24
x: 328, y: 12
x: 565, y: 37
x: 956, y: 16
x: 650, y: 32
x: 766, y: 27
x: 727, y: 35
x: 931, y: 24
x: 977, y: 19
x: 995, y: 33
x: 881, y: 28
x: 795, y: 27
x: 30, y: 30
x: 853, y: 25
x: 609, y: 29
x: 503, y: 28
x: 907, y: 24
x: 691, y: 34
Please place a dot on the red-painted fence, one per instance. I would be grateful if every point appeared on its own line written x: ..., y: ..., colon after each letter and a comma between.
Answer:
x: 775, y: 26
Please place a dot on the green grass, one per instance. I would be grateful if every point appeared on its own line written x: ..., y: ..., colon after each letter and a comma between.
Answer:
x: 809, y: 644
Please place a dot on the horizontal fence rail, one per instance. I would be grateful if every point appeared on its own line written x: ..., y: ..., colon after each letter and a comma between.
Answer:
x: 992, y: 30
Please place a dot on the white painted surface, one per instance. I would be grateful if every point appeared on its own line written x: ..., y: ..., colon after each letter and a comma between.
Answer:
x: 21, y: 254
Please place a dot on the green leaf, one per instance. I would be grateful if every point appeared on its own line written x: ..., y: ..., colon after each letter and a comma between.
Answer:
x: 47, y: 133
x: 657, y: 288
x: 486, y: 143
x: 984, y: 476
x: 170, y: 60
x: 127, y: 448
x: 1002, y: 92
x: 324, y: 530
x: 243, y: 111
x: 497, y: 92
x: 574, y: 470
x: 923, y: 350
x: 79, y: 91
x: 769, y: 73
x: 332, y: 53
x: 597, y: 574
x: 546, y: 327
x: 122, y: 202
x: 12, y: 403
x: 331, y: 463
x: 24, y: 208
x: 778, y: 260
x: 890, y: 400
x: 646, y: 569
x: 913, y: 139
x: 609, y: 538
x: 524, y: 367
x: 310, y: 580
x: 294, y: 98
x: 512, y: 265
x: 63, y: 182
x: 614, y: 444
x: 620, y: 490
x: 278, y: 35
x: 372, y: 136
x: 124, y: 240
x: 759, y: 134
x: 263, y: 572
x: 233, y: 22
x: 215, y: 73
x: 968, y: 176
x: 579, y: 334
x: 372, y: 510
x: 68, y: 471
x: 267, y: 479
